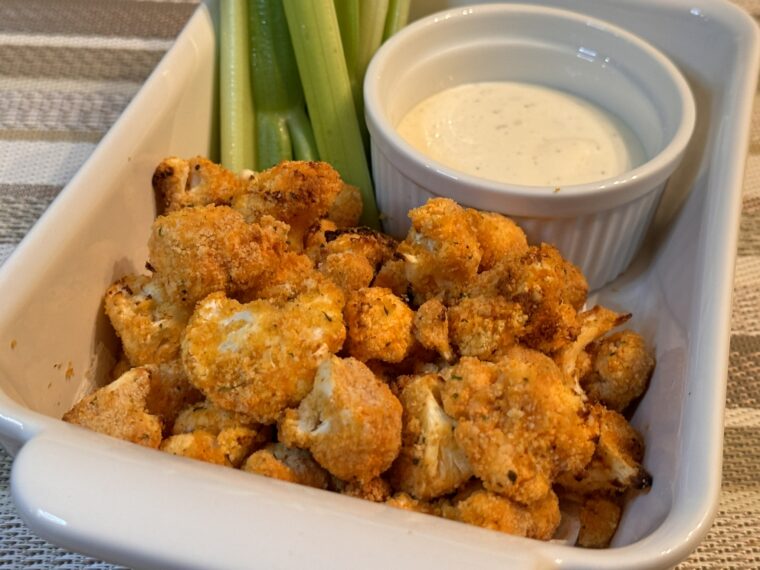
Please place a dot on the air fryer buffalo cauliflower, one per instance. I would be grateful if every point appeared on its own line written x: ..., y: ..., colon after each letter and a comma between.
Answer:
x: 347, y: 409
x: 259, y: 358
x: 457, y: 373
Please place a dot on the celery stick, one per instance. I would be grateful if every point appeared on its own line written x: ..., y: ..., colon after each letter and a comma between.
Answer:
x: 322, y: 66
x: 348, y: 22
x: 235, y: 102
x: 398, y: 15
x: 283, y: 130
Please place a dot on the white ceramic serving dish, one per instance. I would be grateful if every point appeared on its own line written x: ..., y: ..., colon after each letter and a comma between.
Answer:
x: 145, y: 509
x: 598, y: 225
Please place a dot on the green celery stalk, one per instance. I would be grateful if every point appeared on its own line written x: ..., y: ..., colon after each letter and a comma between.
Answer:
x: 322, y: 66
x: 283, y: 130
x: 235, y: 102
x: 398, y: 16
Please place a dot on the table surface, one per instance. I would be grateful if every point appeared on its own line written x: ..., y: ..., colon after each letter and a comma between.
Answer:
x: 68, y: 69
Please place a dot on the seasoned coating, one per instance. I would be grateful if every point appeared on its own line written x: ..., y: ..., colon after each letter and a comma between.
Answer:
x: 377, y: 490
x: 197, y: 251
x: 180, y: 183
x: 379, y: 325
x: 295, y: 192
x: 593, y: 324
x: 287, y: 464
x: 350, y: 421
x: 499, y: 238
x: 170, y: 391
x: 292, y: 277
x: 148, y: 323
x: 486, y: 509
x: 518, y: 422
x: 205, y: 416
x: 392, y: 275
x: 230, y: 447
x: 259, y: 358
x: 622, y: 366
x: 118, y: 410
x: 431, y: 462
x: 599, y: 518
x: 408, y: 503
x: 616, y: 463
x: 485, y: 327
x: 316, y: 238
x: 431, y: 328
x: 346, y: 210
x: 441, y: 250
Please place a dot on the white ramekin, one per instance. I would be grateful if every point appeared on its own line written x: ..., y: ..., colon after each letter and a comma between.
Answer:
x: 599, y: 226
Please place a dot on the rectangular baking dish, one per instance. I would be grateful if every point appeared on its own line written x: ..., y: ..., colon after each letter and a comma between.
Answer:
x: 146, y: 509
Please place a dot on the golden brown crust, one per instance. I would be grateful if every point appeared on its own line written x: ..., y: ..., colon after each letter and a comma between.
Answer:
x: 499, y: 237
x: 485, y: 327
x: 599, y: 518
x: 346, y: 210
x: 287, y: 464
x: 431, y: 328
x: 170, y: 391
x: 377, y: 490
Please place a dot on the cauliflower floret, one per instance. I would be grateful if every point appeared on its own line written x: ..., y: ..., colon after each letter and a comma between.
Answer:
x: 599, y: 518
x: 431, y: 328
x: 259, y: 358
x: 350, y: 421
x: 392, y: 275
x: 376, y: 490
x: 485, y: 327
x: 499, y: 238
x: 147, y: 322
x: 197, y: 251
x: 409, y: 503
x: 485, y: 509
x: 616, y: 462
x: 118, y: 410
x: 170, y: 391
x: 295, y: 192
x: 181, y: 183
x: 431, y: 463
x: 519, y: 424
x: 347, y: 208
x: 293, y: 276
x: 205, y: 416
x: 228, y: 448
x: 379, y: 325
x: 287, y: 464
x: 441, y: 250
x: 621, y: 367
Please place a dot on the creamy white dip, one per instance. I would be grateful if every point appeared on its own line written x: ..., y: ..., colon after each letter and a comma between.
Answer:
x: 522, y: 134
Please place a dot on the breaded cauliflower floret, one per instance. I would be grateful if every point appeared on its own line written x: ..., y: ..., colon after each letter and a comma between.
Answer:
x: 485, y: 509
x: 259, y: 358
x: 346, y: 210
x: 377, y: 490
x: 485, y: 327
x: 118, y: 410
x: 229, y: 447
x: 147, y: 322
x: 197, y: 251
x: 616, y: 462
x: 181, y: 183
x: 292, y: 277
x: 408, y: 503
x: 379, y: 325
x: 392, y: 275
x: 441, y: 250
x: 205, y: 416
x: 431, y: 463
x: 499, y: 238
x: 621, y: 367
x: 287, y: 464
x: 350, y: 421
x: 170, y: 391
x: 431, y: 328
x: 599, y: 518
x: 295, y: 192
x: 518, y: 422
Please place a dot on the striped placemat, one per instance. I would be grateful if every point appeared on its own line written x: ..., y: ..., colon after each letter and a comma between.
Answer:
x: 68, y: 69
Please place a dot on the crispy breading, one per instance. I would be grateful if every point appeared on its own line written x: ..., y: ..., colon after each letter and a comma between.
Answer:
x: 519, y: 424
x: 259, y: 358
x: 486, y: 509
x: 485, y: 327
x: 350, y: 421
x: 377, y: 490
x: 616, y: 462
x: 441, y: 250
x: 147, y: 322
x: 170, y: 391
x: 392, y: 275
x: 431, y: 328
x: 378, y: 324
x: 205, y: 416
x: 181, y: 183
x: 295, y: 192
x: 293, y: 276
x: 287, y: 464
x: 346, y: 210
x: 316, y: 238
x: 408, y: 503
x: 431, y: 462
x: 119, y: 410
x: 499, y: 238
x: 197, y: 251
x: 622, y: 365
x: 599, y: 518
x: 229, y: 447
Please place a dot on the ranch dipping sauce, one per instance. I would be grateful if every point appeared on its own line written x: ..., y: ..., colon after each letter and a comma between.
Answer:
x: 522, y: 134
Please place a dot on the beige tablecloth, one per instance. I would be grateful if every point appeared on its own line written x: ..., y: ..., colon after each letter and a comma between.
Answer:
x: 67, y: 70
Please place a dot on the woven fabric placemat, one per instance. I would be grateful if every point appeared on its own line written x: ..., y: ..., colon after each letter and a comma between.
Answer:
x: 68, y: 69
